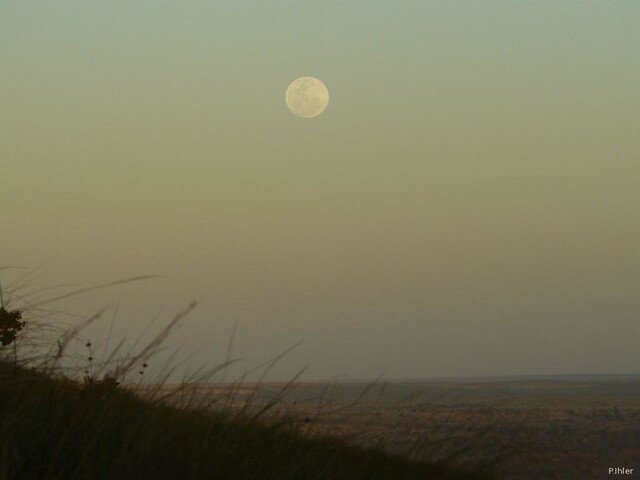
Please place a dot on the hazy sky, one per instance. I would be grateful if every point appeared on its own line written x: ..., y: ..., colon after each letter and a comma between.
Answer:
x: 468, y: 204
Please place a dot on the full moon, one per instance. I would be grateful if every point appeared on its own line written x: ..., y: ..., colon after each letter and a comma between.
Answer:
x: 307, y: 97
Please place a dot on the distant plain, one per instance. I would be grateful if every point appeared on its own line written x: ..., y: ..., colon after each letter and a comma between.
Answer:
x: 555, y: 427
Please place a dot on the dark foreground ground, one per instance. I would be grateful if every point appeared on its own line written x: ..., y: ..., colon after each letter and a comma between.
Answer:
x: 537, y: 428
x: 58, y: 429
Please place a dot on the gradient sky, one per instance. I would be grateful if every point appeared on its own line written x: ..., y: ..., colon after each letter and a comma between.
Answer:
x: 468, y: 204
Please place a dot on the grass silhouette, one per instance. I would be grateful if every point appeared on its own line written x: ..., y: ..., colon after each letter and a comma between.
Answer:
x: 57, y: 426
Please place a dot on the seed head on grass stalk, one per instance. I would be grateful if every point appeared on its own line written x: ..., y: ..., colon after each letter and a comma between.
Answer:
x: 152, y: 347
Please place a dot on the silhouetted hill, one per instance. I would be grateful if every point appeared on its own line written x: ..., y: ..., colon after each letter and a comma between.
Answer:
x: 53, y: 428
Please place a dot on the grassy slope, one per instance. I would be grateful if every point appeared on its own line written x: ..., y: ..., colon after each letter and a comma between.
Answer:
x: 56, y: 429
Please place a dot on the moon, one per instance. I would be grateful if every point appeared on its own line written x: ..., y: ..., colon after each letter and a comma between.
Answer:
x: 307, y: 97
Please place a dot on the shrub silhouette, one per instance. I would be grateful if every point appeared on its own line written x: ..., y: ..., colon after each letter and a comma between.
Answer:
x: 10, y: 324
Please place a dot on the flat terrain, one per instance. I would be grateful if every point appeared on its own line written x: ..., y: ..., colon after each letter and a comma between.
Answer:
x: 573, y: 427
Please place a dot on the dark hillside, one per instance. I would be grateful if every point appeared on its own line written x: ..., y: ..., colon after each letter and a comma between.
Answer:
x: 58, y: 429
